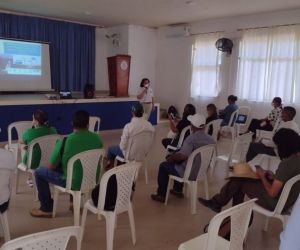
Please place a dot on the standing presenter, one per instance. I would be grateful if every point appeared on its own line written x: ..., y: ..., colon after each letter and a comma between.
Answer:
x: 145, y: 96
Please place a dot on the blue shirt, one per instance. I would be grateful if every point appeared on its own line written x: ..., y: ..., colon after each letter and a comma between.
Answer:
x: 226, y: 114
x: 192, y: 142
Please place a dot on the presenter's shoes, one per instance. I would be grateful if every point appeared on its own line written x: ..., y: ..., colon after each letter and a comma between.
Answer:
x: 36, y: 212
x: 213, y: 205
x: 29, y: 182
x: 158, y: 198
x: 176, y: 193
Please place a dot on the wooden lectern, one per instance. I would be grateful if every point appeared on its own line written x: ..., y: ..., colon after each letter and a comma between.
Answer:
x: 118, y: 74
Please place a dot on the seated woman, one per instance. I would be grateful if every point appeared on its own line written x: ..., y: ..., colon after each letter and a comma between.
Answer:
x: 268, y: 186
x: 212, y: 115
x: 40, y: 127
x: 268, y: 122
x: 229, y: 109
x: 189, y: 109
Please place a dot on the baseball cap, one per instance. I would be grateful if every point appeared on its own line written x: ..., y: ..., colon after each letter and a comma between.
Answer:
x: 197, y: 120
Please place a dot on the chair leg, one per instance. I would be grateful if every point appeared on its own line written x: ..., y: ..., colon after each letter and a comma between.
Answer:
x: 35, y: 190
x: 206, y: 188
x: 55, y: 200
x: 168, y: 191
x: 132, y: 224
x: 83, y: 221
x: 76, y: 205
x: 193, y: 188
x: 146, y: 172
x: 5, y: 226
x: 110, y: 229
x: 266, y: 224
x: 17, y: 181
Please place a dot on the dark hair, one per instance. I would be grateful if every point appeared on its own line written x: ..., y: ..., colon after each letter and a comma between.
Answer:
x: 41, y: 116
x: 212, y: 106
x: 137, y: 109
x: 80, y: 119
x: 189, y: 109
x: 277, y: 100
x: 287, y: 142
x: 291, y: 111
x: 172, y: 110
x: 232, y: 98
x: 142, y: 82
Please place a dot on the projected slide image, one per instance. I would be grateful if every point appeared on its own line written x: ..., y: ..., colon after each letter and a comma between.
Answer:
x: 20, y: 58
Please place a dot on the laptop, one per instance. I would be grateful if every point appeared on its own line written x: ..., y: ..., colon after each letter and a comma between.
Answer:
x: 241, y: 119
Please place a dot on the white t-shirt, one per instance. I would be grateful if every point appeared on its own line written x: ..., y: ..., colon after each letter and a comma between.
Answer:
x: 147, y: 96
x: 137, y: 125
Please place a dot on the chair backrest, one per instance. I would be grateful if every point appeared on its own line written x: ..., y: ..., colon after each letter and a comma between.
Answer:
x: 53, y: 239
x: 206, y: 153
x: 125, y: 175
x: 139, y: 146
x: 239, y: 220
x: 285, y: 194
x: 232, y: 118
x: 240, y: 147
x: 20, y: 127
x: 46, y: 144
x: 183, y: 136
x: 90, y: 161
x: 94, y: 124
x: 215, y: 126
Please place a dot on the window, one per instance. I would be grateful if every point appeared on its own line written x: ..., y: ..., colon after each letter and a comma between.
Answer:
x: 269, y: 64
x: 206, y: 62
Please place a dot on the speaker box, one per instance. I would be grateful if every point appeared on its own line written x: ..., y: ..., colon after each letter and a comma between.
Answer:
x: 89, y: 91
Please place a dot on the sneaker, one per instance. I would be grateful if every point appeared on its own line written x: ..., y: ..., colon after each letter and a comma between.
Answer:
x: 176, y: 193
x: 36, y: 212
x: 158, y: 198
x: 210, y: 204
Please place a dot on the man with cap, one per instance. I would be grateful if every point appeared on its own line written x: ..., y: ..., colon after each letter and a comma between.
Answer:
x: 176, y: 163
x: 135, y: 126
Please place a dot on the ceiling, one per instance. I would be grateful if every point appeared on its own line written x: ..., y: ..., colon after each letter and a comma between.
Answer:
x: 152, y: 13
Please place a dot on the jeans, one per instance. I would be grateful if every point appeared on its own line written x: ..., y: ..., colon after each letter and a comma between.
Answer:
x: 113, y: 152
x: 44, y: 176
x: 166, y: 169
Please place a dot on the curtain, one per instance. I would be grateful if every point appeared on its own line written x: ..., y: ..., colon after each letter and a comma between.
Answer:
x: 269, y: 64
x: 72, y: 47
x: 206, y: 62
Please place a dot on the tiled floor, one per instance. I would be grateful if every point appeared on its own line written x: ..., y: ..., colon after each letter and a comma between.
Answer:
x: 157, y: 226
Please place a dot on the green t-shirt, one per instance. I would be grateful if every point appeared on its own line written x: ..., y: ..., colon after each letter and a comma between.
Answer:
x: 287, y: 169
x: 32, y: 134
x: 75, y: 143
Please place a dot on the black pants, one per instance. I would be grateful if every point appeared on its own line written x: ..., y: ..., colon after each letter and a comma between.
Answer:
x: 256, y: 148
x: 255, y: 124
x: 168, y: 141
x: 237, y: 188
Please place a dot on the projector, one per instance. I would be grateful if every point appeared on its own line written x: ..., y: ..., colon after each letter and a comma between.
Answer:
x: 52, y: 96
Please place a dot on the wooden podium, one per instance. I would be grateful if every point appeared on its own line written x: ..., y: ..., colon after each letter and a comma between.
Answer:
x: 118, y: 75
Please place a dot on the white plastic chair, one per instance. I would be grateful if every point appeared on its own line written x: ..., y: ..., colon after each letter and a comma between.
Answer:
x: 242, y: 127
x: 277, y: 212
x: 46, y: 144
x: 90, y: 161
x: 206, y: 153
x: 8, y: 164
x: 20, y: 128
x: 239, y: 220
x: 138, y: 148
x: 125, y: 175
x: 230, y: 127
x: 263, y: 135
x: 181, y: 139
x: 94, y: 124
x: 237, y: 154
x: 216, y: 128
x: 53, y: 239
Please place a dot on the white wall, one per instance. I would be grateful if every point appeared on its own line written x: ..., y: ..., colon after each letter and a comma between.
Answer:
x: 174, y: 58
x: 138, y: 42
